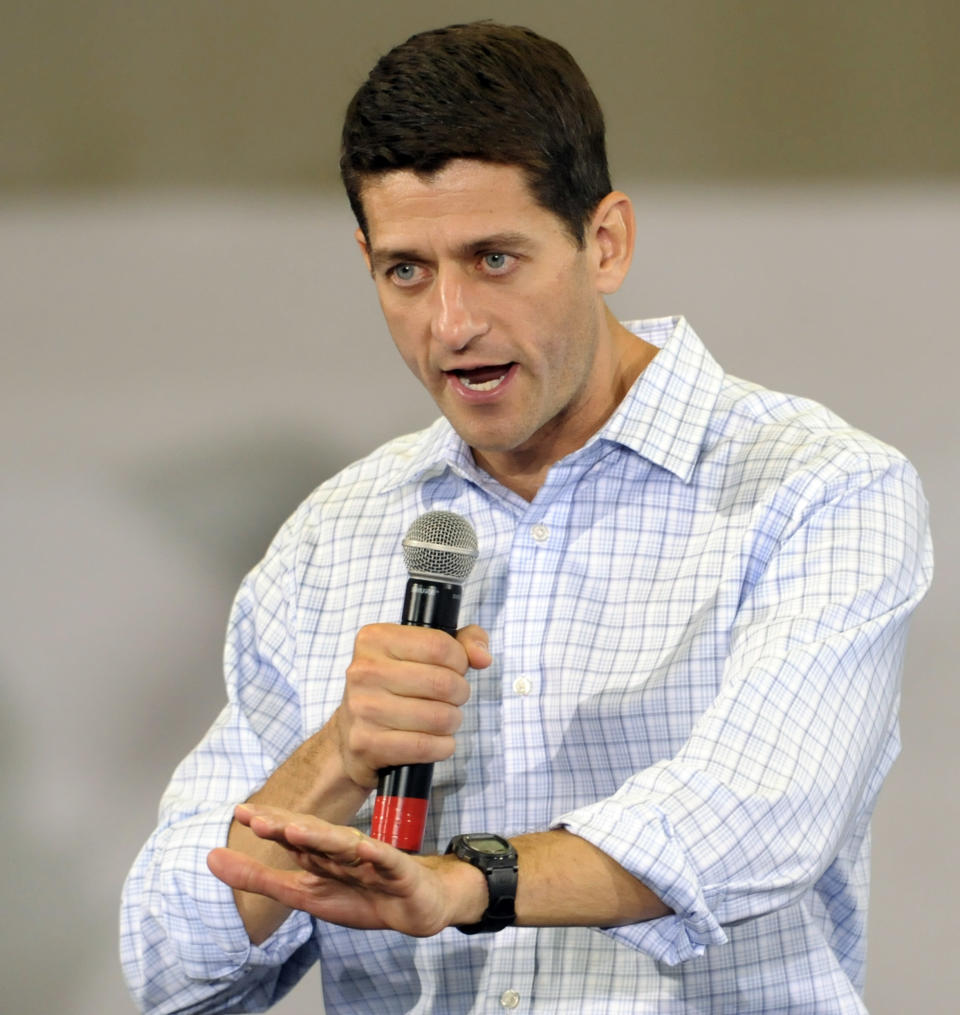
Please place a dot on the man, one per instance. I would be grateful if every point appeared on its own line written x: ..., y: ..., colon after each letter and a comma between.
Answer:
x: 676, y: 695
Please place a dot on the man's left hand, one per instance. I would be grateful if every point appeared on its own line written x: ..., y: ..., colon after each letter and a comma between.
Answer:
x: 350, y: 879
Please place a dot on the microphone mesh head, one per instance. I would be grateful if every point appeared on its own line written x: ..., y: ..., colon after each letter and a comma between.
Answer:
x: 442, y: 545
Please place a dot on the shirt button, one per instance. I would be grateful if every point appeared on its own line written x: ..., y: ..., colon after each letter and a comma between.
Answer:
x: 522, y: 685
x: 509, y: 999
x: 540, y: 533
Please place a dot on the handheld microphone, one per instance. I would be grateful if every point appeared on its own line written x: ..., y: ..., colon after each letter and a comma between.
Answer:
x: 439, y: 550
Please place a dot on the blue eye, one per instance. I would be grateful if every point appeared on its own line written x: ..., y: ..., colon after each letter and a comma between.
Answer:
x: 495, y: 261
x: 404, y: 272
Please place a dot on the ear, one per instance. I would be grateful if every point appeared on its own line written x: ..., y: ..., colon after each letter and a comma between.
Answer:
x: 611, y: 233
x: 364, y: 249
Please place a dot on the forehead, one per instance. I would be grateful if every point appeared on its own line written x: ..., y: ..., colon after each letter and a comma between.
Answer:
x: 464, y: 196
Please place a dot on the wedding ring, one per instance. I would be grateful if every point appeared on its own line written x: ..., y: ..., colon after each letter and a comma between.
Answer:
x: 357, y: 860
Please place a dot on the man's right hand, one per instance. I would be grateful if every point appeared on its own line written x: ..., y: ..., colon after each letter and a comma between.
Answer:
x: 401, y: 703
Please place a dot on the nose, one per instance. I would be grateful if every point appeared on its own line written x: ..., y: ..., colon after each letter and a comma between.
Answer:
x: 456, y: 317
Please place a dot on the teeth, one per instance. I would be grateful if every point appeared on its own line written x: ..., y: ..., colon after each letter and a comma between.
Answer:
x: 483, y: 385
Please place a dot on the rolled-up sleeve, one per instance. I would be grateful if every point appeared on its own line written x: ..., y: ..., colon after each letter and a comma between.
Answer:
x: 183, y: 945
x: 782, y: 771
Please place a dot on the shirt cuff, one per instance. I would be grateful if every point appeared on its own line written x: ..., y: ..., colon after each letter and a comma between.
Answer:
x: 643, y: 843
x: 202, y: 919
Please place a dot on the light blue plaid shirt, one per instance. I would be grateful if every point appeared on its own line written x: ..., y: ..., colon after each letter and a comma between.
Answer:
x: 698, y: 629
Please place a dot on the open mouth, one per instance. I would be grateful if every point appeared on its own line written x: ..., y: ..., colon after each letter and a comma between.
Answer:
x: 483, y: 378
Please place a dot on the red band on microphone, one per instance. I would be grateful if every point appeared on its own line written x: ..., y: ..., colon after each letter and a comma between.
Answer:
x: 400, y: 821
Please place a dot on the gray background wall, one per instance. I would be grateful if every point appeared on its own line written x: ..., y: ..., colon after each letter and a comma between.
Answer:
x: 189, y: 344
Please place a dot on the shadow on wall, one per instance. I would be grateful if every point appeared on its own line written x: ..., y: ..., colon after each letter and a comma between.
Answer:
x: 227, y: 500
x: 127, y: 571
x: 35, y: 866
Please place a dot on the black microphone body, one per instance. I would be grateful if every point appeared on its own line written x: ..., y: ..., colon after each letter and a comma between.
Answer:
x: 439, y: 549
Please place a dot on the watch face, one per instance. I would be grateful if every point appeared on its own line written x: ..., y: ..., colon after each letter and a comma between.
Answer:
x: 492, y: 844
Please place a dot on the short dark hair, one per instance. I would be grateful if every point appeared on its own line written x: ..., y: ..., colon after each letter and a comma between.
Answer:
x: 481, y: 91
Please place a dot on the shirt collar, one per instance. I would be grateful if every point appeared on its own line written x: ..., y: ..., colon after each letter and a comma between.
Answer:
x: 663, y: 418
x: 665, y: 415
x: 429, y: 453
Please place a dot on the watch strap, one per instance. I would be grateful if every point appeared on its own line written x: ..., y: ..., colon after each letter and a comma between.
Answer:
x: 501, y: 876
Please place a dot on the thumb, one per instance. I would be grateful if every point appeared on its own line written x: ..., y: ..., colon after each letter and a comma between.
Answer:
x: 476, y: 643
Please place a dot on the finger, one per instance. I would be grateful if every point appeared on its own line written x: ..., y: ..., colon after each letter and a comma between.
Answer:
x: 395, y: 747
x: 244, y: 874
x: 338, y: 844
x: 382, y: 692
x: 373, y: 742
x: 263, y: 818
x: 268, y: 822
x: 235, y: 869
x: 409, y: 715
x: 318, y: 846
x: 244, y: 813
x: 304, y: 833
x: 381, y: 685
x: 423, y: 645
x: 408, y: 644
x: 476, y: 644
x: 334, y: 845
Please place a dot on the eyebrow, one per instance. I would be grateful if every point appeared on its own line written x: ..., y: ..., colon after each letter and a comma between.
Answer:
x: 496, y: 242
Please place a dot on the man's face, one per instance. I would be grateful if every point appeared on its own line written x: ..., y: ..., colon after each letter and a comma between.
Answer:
x: 492, y: 306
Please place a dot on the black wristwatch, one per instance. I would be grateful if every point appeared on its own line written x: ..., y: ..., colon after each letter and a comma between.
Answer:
x: 497, y: 859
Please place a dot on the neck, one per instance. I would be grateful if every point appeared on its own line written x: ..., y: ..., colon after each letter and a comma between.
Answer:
x: 524, y: 470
